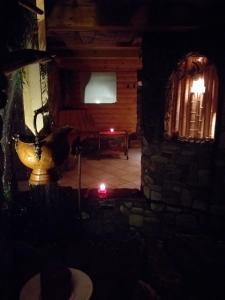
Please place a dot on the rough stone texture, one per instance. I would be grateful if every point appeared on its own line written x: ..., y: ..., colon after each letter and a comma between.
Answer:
x: 168, y: 218
x: 156, y: 196
x: 186, y: 221
x: 204, y: 177
x: 147, y: 192
x: 186, y: 198
x: 113, y: 246
x: 174, y: 209
x: 157, y: 206
x: 217, y: 223
x: 177, y: 181
x: 200, y: 205
x: 217, y: 210
x: 136, y: 220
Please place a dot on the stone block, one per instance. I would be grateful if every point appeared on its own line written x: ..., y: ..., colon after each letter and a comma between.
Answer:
x: 150, y: 216
x: 171, y: 148
x: 172, y: 198
x: 173, y: 173
x: 192, y: 175
x: 158, y: 206
x: 137, y: 210
x: 151, y: 219
x: 188, y: 153
x: 186, y: 221
x: 186, y: 199
x: 156, y: 188
x: 200, y: 205
x: 159, y: 159
x: 203, y: 177
x: 222, y: 140
x: 147, y: 213
x: 174, y: 209
x: 176, y: 188
x: 124, y: 210
x: 183, y: 160
x: 168, y: 218
x: 156, y: 196
x: 217, y: 223
x: 217, y: 210
x: 136, y: 220
x: 147, y: 192
x: 148, y: 180
x: 128, y: 204
x: 202, y: 220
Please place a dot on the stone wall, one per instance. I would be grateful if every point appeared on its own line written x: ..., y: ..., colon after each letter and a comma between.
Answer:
x: 183, y: 181
x: 178, y: 180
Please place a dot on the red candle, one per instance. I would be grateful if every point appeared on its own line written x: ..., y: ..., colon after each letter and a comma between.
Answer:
x: 102, y: 191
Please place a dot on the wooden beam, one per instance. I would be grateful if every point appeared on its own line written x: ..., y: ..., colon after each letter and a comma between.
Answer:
x: 21, y: 58
x: 99, y: 64
x: 97, y: 53
x: 151, y: 28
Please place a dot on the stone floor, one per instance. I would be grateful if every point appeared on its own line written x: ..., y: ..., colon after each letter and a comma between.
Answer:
x: 118, y: 241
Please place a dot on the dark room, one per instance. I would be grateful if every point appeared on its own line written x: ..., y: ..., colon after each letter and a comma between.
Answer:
x: 112, y: 153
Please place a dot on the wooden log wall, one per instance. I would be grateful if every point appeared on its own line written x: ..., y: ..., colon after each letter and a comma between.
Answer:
x: 121, y: 115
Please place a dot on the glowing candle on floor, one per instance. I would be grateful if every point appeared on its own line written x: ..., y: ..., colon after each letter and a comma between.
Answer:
x: 102, y: 191
x: 111, y: 129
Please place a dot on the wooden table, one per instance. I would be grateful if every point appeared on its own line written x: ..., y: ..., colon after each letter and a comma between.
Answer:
x: 114, y: 134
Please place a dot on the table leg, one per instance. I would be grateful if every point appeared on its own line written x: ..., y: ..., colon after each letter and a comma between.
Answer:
x: 99, y: 146
x: 126, y: 144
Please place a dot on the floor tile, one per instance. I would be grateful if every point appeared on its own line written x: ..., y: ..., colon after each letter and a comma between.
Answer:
x: 115, y: 172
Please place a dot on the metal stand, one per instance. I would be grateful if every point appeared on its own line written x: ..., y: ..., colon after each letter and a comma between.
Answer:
x: 79, y: 184
x: 77, y: 150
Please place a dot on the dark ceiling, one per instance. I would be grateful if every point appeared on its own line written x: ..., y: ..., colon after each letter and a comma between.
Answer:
x: 119, y: 24
x: 93, y: 27
x: 120, y: 12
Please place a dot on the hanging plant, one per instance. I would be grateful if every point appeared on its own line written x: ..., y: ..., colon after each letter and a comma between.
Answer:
x: 22, y: 34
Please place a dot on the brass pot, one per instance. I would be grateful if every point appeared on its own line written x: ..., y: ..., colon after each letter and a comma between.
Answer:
x: 40, y: 167
x: 53, y: 151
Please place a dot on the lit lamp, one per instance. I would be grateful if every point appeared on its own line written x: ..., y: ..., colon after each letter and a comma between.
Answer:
x: 198, y: 86
x: 196, y: 118
x: 111, y: 129
x: 102, y: 191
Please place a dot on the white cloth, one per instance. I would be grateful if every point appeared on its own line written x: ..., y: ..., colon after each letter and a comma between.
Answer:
x: 82, y: 291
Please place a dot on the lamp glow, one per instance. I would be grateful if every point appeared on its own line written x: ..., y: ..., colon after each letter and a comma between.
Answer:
x: 198, y: 86
x: 111, y: 129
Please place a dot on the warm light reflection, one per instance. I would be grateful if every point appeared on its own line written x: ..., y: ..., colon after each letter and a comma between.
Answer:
x: 111, y: 129
x: 213, y: 125
x: 192, y: 101
x: 198, y: 86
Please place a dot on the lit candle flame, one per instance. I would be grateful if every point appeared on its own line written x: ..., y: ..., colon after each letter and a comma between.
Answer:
x: 102, y: 187
x: 102, y: 192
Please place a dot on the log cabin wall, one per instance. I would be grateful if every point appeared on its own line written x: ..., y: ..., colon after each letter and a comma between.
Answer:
x: 184, y: 181
x: 121, y: 115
